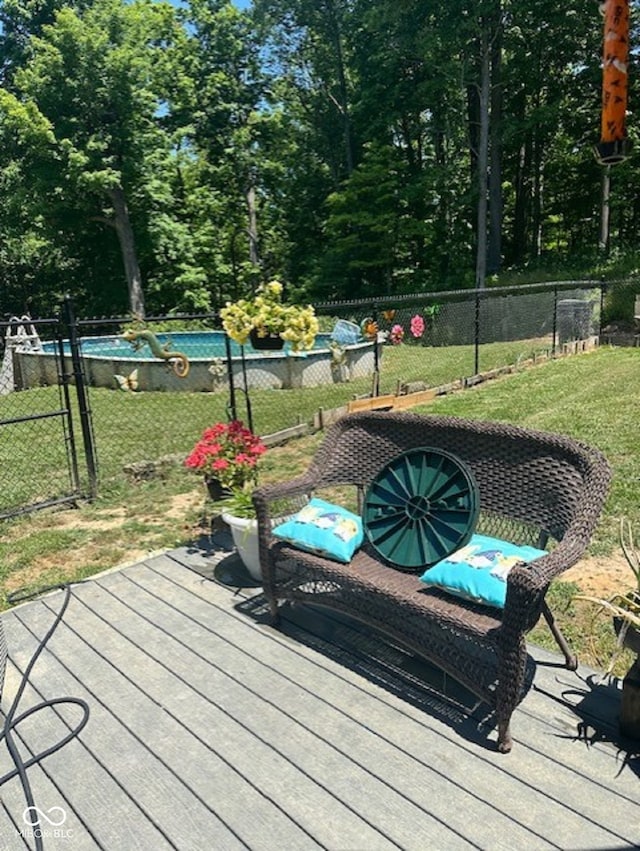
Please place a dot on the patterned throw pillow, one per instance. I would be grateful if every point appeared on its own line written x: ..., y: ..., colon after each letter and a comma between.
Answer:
x: 479, y: 571
x: 323, y: 528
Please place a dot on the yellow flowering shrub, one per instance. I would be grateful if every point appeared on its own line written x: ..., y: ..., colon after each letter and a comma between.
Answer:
x: 266, y: 314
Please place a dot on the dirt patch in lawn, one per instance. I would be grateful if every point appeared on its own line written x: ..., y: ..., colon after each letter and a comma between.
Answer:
x: 601, y: 577
x: 107, y: 538
x: 177, y: 507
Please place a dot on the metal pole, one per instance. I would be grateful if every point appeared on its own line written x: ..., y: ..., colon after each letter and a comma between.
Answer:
x: 81, y: 393
x: 605, y: 212
x: 247, y: 399
x: 64, y: 380
x: 232, y: 407
x: 376, y: 353
x: 476, y: 365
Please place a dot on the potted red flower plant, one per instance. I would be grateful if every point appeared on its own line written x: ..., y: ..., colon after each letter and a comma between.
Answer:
x: 228, y: 455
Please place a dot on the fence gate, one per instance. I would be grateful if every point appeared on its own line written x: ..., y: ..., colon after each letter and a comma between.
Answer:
x: 37, y: 444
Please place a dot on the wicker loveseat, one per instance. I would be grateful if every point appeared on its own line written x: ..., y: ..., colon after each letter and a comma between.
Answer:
x: 534, y: 488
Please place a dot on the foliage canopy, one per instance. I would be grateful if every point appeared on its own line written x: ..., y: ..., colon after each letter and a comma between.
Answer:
x: 170, y: 159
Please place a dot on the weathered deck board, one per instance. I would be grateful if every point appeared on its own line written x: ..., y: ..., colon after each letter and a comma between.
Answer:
x: 210, y: 729
x: 536, y: 763
x: 297, y: 757
x: 355, y: 770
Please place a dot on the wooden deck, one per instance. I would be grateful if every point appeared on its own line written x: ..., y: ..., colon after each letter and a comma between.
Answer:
x: 209, y: 730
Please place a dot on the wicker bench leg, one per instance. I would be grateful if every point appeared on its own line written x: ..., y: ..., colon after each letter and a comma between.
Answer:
x: 274, y: 610
x: 510, y: 682
x: 504, y: 710
x: 571, y: 660
x: 505, y: 743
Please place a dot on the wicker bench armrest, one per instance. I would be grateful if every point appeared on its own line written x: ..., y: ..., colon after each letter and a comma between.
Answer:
x: 527, y: 584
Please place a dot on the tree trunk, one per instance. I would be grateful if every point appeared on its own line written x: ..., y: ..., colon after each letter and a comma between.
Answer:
x: 250, y: 195
x: 494, y: 253
x: 126, y: 238
x: 516, y: 241
x: 605, y: 211
x: 484, y: 94
x: 342, y: 85
x: 443, y: 222
x: 473, y: 123
x: 538, y: 195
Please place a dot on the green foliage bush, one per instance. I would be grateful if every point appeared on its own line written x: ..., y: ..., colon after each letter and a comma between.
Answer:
x: 619, y: 300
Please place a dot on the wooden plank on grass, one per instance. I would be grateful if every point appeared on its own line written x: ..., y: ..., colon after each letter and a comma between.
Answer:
x: 326, y: 417
x: 286, y: 434
x: 409, y: 400
x: 371, y: 404
x: 397, y: 403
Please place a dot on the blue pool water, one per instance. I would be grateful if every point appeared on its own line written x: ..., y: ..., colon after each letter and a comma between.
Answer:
x: 194, y: 344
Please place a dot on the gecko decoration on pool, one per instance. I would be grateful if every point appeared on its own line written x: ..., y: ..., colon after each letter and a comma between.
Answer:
x: 163, y: 352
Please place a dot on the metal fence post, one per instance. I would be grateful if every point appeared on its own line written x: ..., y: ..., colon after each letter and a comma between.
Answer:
x: 81, y: 393
x: 476, y: 362
x: 375, y: 389
x: 555, y: 320
x: 232, y: 407
x: 247, y: 395
x: 75, y: 476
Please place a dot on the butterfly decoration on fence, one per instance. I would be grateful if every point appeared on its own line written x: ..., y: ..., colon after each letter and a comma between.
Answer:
x: 217, y: 368
x: 128, y: 383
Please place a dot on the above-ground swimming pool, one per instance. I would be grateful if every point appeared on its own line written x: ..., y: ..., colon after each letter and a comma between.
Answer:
x: 105, y: 358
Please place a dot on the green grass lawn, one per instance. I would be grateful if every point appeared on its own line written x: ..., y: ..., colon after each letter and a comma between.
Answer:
x: 131, y: 427
x: 592, y: 397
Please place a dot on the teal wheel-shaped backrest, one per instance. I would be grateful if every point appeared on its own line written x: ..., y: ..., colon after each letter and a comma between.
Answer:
x: 420, y: 508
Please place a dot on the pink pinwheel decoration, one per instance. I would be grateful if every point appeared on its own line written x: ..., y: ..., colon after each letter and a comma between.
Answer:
x: 417, y: 325
x: 396, y: 335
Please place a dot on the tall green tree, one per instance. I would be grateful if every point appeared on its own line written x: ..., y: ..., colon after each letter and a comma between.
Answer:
x: 351, y: 146
x: 408, y: 98
x: 309, y: 45
x: 19, y: 21
x: 231, y: 121
x: 97, y: 80
x: 551, y: 101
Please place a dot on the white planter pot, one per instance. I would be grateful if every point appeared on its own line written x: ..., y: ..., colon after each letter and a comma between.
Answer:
x: 245, y: 537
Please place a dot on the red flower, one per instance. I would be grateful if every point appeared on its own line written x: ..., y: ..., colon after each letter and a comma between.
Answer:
x: 229, y: 452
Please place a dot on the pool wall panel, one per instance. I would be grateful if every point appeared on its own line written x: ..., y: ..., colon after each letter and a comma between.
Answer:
x: 269, y: 371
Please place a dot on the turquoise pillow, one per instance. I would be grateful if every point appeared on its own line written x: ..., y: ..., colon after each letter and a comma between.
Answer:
x: 323, y: 528
x: 479, y: 571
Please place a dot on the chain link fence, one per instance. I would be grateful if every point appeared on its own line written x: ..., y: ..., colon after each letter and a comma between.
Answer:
x: 100, y: 401
x: 433, y: 339
x: 38, y: 443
